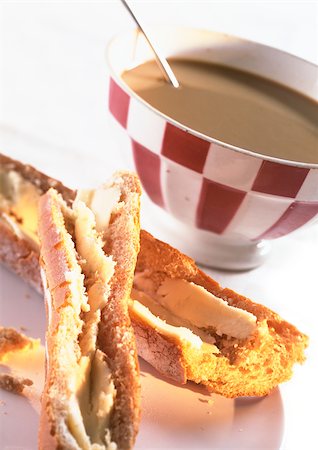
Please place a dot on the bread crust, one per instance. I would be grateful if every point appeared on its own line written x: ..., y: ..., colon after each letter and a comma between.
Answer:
x: 163, y: 353
x: 39, y: 179
x: 115, y: 334
x: 20, y: 256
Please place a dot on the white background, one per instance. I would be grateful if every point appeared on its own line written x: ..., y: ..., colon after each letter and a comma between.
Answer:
x: 53, y: 113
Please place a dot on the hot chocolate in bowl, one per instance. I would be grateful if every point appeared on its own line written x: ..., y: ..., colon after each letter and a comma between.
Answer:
x: 231, y: 157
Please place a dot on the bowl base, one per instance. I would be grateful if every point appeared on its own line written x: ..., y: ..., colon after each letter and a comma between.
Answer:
x: 206, y: 248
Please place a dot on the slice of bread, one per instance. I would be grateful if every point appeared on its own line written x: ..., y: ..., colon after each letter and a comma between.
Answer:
x: 240, y: 365
x: 21, y: 186
x: 91, y: 398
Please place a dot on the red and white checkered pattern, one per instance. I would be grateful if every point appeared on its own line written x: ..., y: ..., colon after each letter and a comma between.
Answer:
x: 210, y: 186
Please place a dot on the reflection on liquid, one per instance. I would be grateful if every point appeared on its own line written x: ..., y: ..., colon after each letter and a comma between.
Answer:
x: 175, y: 416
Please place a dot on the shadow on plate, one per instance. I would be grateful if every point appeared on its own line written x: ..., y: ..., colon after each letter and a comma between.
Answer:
x: 175, y: 416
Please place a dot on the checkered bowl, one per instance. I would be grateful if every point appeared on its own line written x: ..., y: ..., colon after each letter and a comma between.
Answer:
x: 225, y: 200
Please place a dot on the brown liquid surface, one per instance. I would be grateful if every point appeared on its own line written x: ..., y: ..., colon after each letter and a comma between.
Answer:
x: 234, y: 107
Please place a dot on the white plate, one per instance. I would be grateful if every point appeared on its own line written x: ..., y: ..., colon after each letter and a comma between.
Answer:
x: 173, y: 416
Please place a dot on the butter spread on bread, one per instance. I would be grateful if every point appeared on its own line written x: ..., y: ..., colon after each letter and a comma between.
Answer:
x: 197, y: 306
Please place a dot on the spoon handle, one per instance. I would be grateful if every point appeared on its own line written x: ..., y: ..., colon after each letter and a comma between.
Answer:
x: 162, y: 62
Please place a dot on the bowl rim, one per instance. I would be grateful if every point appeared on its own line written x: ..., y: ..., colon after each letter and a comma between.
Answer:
x: 129, y: 91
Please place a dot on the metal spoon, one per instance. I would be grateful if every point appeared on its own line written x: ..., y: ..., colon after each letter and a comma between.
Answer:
x: 162, y: 62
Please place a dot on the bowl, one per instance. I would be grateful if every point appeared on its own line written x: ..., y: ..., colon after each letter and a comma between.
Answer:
x: 219, y: 203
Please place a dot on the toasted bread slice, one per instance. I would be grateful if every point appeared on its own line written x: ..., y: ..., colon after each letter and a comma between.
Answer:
x: 21, y: 186
x: 91, y: 398
x: 190, y: 328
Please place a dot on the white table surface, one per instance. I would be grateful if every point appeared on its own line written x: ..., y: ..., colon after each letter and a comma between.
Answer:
x: 53, y: 114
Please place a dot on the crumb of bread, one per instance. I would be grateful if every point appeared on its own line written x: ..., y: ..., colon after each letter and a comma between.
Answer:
x: 209, y: 401
x: 2, y: 403
x: 11, y: 340
x: 13, y: 383
x: 203, y: 400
